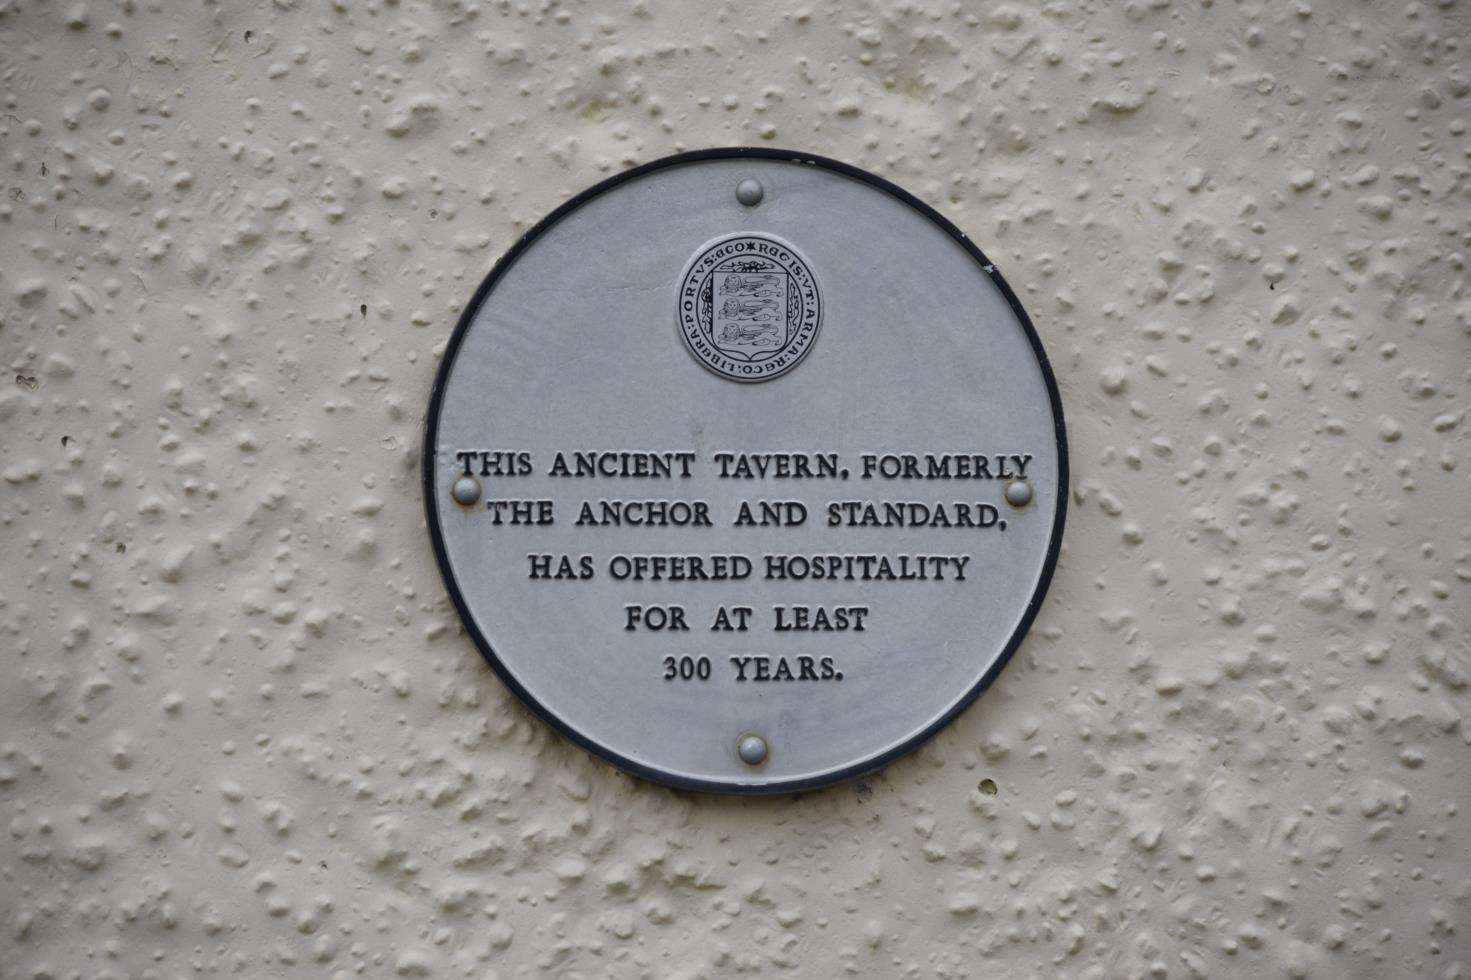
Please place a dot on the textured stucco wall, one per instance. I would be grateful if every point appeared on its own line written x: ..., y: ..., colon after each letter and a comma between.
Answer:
x: 242, y: 734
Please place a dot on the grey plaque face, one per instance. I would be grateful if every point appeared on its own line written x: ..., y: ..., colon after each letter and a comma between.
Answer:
x: 746, y: 471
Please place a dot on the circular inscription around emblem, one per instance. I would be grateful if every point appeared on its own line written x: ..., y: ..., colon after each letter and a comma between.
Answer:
x: 745, y: 587
x: 749, y: 307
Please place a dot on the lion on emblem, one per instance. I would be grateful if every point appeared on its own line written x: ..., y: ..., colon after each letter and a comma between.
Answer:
x: 749, y: 333
x: 750, y: 285
x: 749, y: 309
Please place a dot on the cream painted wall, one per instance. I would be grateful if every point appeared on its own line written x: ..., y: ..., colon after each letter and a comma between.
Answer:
x: 242, y: 734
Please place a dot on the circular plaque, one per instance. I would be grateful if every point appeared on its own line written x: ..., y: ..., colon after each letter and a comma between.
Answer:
x: 745, y: 470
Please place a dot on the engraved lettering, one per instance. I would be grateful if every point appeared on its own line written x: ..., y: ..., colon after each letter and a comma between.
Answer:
x: 819, y: 618
x: 655, y: 618
x: 494, y: 462
x: 762, y: 669
x: 912, y: 513
x: 943, y: 466
x: 772, y: 513
x: 560, y: 568
x: 866, y: 568
x: 623, y: 463
x: 723, y: 619
x: 520, y: 511
x: 679, y: 568
x: 644, y: 513
x: 779, y: 466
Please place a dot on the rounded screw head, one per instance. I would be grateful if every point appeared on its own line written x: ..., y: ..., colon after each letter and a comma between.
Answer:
x: 466, y: 490
x: 1018, y: 493
x: 749, y: 192
x: 751, y: 749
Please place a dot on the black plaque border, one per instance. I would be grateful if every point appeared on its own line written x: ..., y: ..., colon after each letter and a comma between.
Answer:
x: 431, y: 434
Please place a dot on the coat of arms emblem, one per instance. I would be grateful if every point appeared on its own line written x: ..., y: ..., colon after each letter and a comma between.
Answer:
x: 749, y: 308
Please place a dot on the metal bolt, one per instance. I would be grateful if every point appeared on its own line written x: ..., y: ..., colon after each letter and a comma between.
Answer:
x: 466, y: 490
x: 751, y: 749
x: 1018, y: 493
x: 749, y: 192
